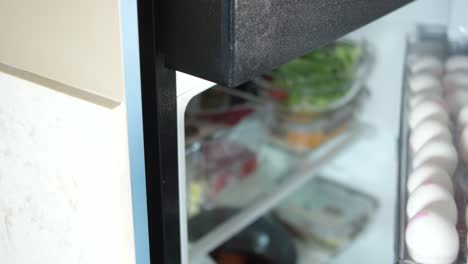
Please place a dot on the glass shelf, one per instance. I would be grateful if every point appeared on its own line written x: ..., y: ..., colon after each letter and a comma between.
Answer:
x: 279, y: 174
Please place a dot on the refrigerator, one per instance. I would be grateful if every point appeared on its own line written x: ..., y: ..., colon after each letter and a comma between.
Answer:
x: 245, y: 184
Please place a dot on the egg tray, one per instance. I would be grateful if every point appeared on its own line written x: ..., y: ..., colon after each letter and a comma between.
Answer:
x: 426, y: 40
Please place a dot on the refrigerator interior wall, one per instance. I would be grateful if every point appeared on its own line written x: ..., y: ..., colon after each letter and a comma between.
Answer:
x: 375, y: 172
x: 458, y: 22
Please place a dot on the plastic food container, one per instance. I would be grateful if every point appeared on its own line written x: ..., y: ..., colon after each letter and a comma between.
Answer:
x: 224, y: 106
x: 220, y: 153
x: 322, y: 81
x: 212, y: 164
x: 326, y: 215
x: 303, y: 133
x: 311, y: 104
x: 197, y: 182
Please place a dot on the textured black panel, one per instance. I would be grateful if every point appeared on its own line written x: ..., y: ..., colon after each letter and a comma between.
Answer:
x: 268, y: 33
x: 233, y: 41
x: 195, y: 37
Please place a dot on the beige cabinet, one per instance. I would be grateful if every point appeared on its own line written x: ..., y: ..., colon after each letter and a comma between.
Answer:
x: 73, y: 46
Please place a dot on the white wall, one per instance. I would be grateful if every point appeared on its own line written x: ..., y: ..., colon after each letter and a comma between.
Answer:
x: 64, y: 178
x: 74, y: 43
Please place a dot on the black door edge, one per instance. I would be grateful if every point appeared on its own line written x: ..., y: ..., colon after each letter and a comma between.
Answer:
x: 159, y: 107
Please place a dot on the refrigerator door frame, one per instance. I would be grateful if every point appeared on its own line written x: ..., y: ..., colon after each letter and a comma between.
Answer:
x: 152, y: 126
x: 162, y: 143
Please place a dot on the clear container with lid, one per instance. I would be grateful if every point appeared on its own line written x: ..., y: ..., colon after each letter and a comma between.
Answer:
x: 312, y: 98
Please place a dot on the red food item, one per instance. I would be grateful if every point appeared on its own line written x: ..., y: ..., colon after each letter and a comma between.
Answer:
x: 249, y: 167
x: 267, y: 77
x: 221, y: 182
x: 230, y: 117
x: 278, y: 95
x: 227, y: 161
x: 230, y: 258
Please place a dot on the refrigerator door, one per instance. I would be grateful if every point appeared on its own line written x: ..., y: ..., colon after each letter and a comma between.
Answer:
x: 230, y: 42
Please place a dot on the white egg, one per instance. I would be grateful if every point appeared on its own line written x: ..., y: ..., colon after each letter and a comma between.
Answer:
x: 422, y: 97
x: 462, y: 119
x: 429, y: 174
x: 437, y: 153
x: 427, y: 110
x: 455, y: 80
x: 431, y: 239
x: 456, y: 99
x: 463, y: 145
x: 426, y: 131
x: 424, y: 82
x: 428, y: 64
x: 431, y: 194
x: 457, y: 63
